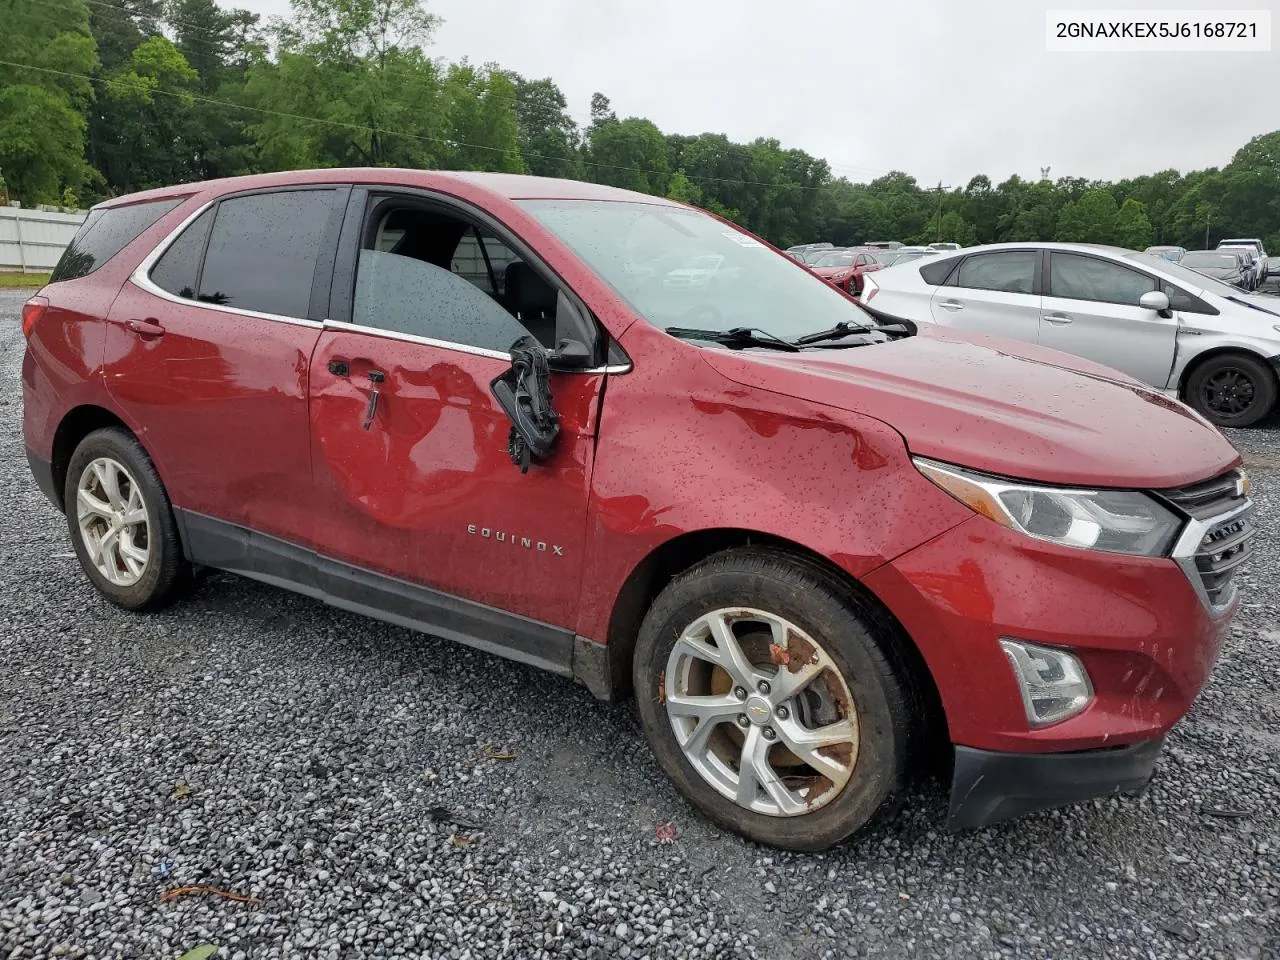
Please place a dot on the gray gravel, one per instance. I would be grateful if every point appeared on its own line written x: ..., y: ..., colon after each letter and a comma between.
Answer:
x: 260, y: 743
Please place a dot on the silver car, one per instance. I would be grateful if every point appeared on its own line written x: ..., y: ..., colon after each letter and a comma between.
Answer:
x: 1201, y: 341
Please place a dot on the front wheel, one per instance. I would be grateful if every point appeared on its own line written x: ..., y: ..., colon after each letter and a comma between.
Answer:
x: 1232, y: 390
x: 769, y: 700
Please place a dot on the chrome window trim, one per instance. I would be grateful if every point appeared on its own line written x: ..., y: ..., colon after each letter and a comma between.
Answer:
x: 453, y: 345
x: 1188, y: 545
x: 141, y: 278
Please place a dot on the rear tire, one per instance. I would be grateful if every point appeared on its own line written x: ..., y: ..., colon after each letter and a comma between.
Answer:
x: 121, y: 522
x: 1232, y: 390
x: 817, y: 681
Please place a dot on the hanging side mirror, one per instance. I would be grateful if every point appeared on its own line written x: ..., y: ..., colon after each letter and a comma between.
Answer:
x: 524, y: 393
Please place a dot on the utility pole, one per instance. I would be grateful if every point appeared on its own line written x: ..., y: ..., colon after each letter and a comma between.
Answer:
x: 938, y: 228
x: 1207, y: 214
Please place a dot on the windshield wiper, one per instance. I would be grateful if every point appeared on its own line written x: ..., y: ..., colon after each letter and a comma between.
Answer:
x: 736, y: 337
x: 841, y: 329
x: 1246, y: 303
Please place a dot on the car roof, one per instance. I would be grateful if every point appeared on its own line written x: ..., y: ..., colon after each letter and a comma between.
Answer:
x: 507, y: 186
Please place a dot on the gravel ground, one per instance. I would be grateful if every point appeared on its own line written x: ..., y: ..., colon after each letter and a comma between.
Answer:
x: 260, y: 743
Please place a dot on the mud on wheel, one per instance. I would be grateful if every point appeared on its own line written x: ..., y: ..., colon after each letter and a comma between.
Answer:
x: 769, y: 701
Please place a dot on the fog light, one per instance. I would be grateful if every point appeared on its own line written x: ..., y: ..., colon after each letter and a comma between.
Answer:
x: 1054, y: 683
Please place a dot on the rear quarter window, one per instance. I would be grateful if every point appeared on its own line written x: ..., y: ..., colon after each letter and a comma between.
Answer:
x: 104, y: 233
x: 935, y: 272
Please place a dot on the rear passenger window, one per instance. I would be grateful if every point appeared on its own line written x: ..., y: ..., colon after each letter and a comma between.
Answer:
x: 263, y: 250
x: 1012, y: 271
x: 936, y: 272
x: 178, y: 269
x: 1088, y: 278
x: 105, y: 233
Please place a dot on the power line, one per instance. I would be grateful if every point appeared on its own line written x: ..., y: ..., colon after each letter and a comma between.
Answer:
x: 384, y: 132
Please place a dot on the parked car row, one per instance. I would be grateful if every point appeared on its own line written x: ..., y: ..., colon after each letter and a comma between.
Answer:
x: 845, y: 267
x: 633, y: 445
x: 1192, y: 336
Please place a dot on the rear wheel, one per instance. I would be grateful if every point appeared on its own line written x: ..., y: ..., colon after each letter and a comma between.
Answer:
x: 769, y: 701
x: 1232, y: 390
x: 121, y: 522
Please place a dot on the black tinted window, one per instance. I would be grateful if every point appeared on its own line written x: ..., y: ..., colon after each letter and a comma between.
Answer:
x: 1087, y: 278
x: 179, y: 267
x: 407, y: 295
x: 1013, y: 271
x: 936, y: 272
x: 263, y: 251
x: 105, y: 233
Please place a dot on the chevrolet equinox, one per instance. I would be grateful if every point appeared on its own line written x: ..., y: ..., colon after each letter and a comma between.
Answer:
x: 821, y: 547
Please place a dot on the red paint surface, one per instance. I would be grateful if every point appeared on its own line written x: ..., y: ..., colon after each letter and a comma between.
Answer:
x: 246, y: 422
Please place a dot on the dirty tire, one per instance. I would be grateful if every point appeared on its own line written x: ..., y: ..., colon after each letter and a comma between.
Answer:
x: 815, y: 601
x: 1241, y: 369
x: 167, y: 575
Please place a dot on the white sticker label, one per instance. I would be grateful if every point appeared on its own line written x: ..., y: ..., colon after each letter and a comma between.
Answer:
x: 742, y: 240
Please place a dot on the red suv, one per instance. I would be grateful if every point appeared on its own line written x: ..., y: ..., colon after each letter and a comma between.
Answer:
x: 817, y: 545
x: 845, y: 268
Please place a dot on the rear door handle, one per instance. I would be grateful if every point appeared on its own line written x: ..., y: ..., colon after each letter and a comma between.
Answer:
x: 952, y: 305
x: 1058, y: 318
x: 148, y: 329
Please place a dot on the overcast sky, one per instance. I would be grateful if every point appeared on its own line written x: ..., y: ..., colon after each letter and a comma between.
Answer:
x: 943, y: 89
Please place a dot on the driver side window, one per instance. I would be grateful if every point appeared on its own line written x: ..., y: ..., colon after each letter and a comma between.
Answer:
x: 428, y: 273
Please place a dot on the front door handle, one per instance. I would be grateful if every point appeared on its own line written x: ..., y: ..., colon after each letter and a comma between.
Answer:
x: 1058, y: 318
x: 951, y: 305
x: 376, y: 377
x: 147, y: 329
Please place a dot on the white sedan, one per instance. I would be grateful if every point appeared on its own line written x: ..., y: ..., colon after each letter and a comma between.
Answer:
x: 1198, y: 340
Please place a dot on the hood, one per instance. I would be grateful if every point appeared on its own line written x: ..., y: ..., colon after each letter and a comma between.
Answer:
x: 1002, y: 406
x: 830, y: 271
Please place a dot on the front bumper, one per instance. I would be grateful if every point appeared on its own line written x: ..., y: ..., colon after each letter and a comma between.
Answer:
x: 1137, y: 624
x: 989, y: 787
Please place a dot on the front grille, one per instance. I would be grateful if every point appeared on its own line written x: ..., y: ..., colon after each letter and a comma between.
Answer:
x: 1222, y: 550
x: 1224, y: 544
x: 1208, y: 498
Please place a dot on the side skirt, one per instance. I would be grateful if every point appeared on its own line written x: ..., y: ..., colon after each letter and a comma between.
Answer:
x: 226, y: 546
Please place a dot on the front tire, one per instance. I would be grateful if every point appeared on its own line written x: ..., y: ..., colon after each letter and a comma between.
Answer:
x: 769, y: 699
x: 121, y: 522
x: 1232, y: 390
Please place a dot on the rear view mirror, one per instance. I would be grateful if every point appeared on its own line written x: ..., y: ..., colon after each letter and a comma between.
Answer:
x: 1156, y: 300
x: 524, y: 393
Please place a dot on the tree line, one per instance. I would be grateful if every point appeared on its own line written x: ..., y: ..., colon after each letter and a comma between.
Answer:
x: 104, y: 97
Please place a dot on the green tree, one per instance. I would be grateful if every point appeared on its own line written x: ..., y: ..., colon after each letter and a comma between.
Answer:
x: 350, y: 86
x: 1091, y: 219
x: 548, y: 137
x: 478, y: 104
x: 43, y: 115
x: 1132, y: 228
x: 629, y: 153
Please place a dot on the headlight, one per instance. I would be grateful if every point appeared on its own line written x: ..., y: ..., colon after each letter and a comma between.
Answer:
x: 1115, y: 521
x: 840, y: 276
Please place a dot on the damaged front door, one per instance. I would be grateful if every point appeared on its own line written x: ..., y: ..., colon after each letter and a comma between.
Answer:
x: 413, y: 474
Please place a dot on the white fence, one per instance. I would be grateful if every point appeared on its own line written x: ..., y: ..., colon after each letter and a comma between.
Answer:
x: 31, y: 241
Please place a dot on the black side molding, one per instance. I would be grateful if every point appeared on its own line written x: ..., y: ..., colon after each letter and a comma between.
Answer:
x: 236, y: 549
x: 42, y: 470
x: 988, y: 787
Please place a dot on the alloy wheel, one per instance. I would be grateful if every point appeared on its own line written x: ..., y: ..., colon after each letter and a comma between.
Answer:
x: 1229, y: 392
x: 761, y: 711
x: 113, y: 523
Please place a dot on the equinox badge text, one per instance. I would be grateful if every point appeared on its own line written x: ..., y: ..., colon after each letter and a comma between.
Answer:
x: 502, y: 536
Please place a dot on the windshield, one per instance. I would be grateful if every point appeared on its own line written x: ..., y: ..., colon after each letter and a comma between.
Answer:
x: 1215, y: 261
x: 1197, y: 281
x: 836, y: 260
x: 635, y: 247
